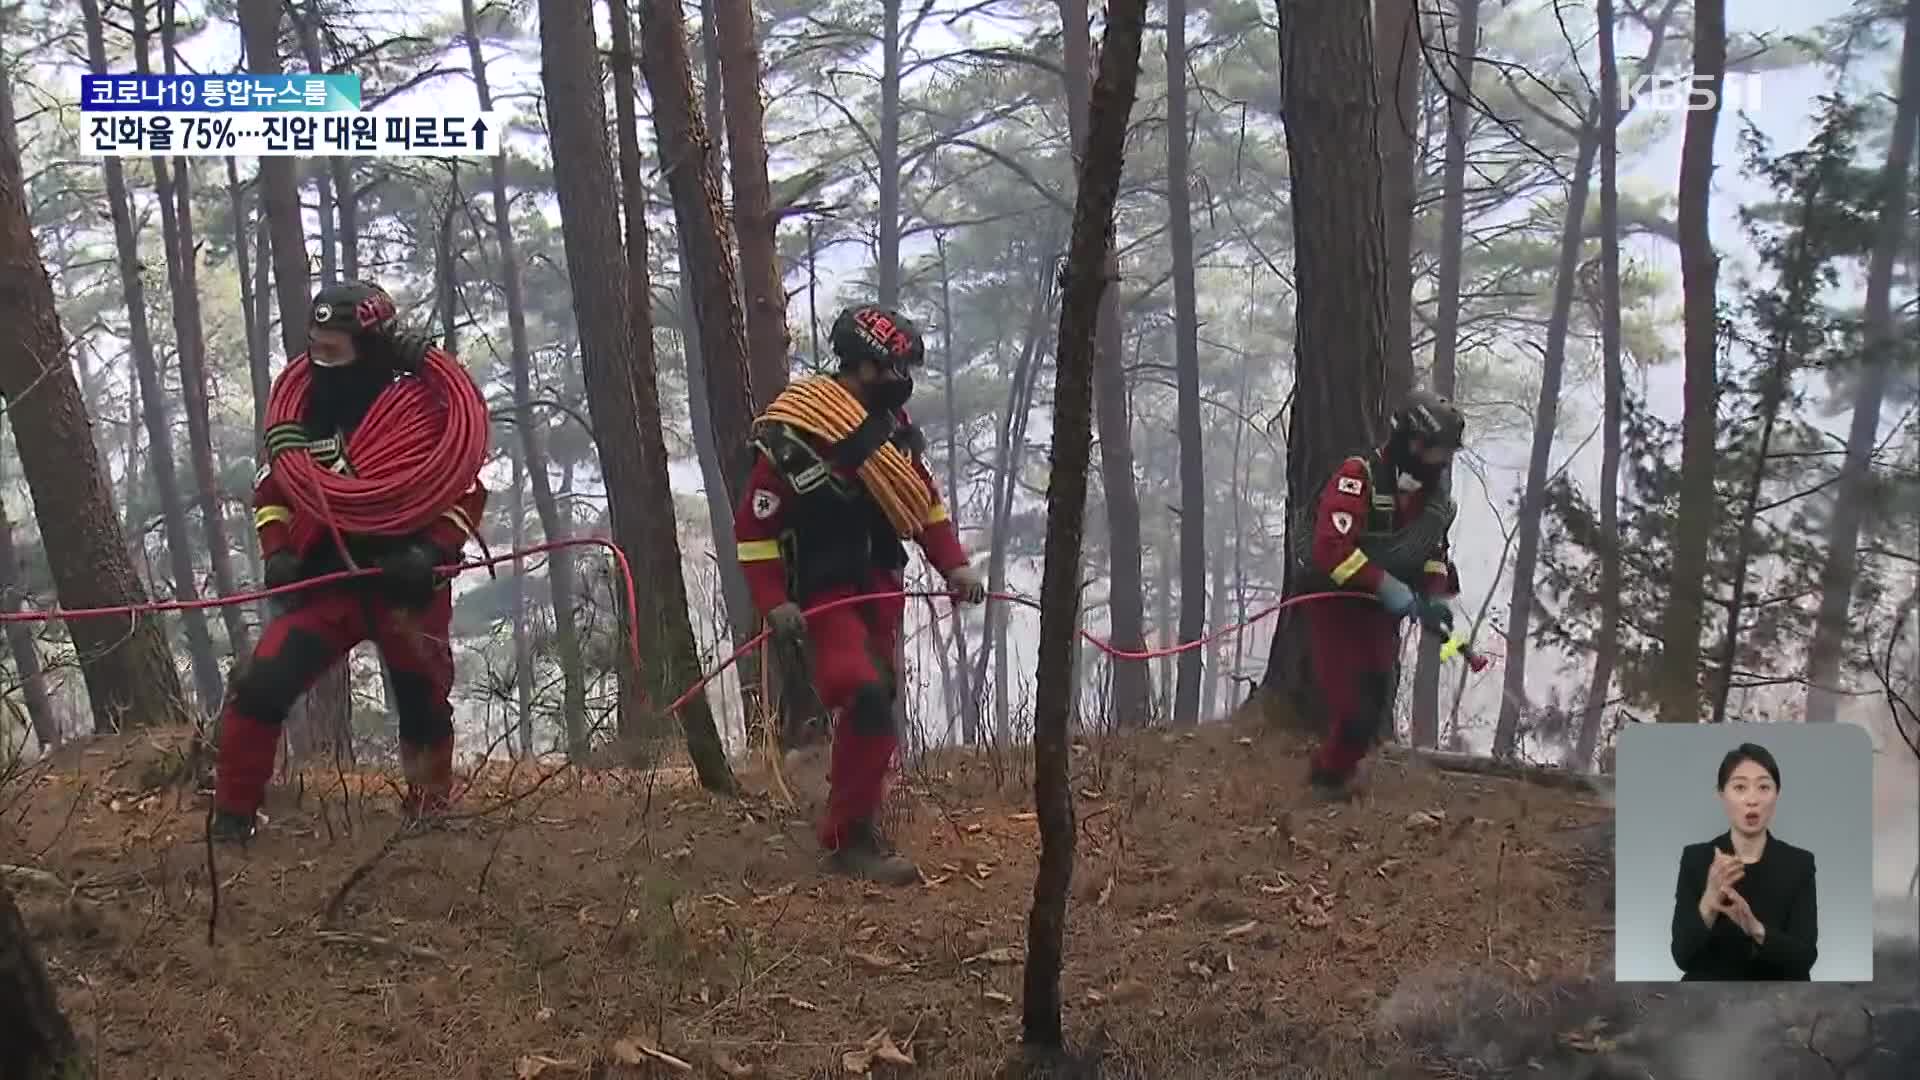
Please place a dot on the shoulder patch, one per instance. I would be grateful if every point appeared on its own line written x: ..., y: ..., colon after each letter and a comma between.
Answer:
x: 1342, y: 522
x: 1351, y: 485
x: 261, y: 476
x: 765, y: 504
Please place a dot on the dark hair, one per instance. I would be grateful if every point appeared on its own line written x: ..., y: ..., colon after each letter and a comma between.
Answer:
x: 1747, y: 751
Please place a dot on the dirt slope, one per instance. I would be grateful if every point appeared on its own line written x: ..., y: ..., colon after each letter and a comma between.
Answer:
x: 575, y: 924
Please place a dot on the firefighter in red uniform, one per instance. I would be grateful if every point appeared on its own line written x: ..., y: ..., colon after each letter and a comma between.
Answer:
x: 356, y: 352
x: 838, y: 484
x: 1380, y: 527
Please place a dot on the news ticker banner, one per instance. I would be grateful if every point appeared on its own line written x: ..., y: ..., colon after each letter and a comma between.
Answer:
x: 132, y: 115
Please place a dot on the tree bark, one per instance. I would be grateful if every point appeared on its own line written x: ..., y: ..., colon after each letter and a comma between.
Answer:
x: 1882, y: 353
x: 173, y: 183
x: 532, y: 453
x: 1186, y: 329
x: 1606, y: 641
x: 1126, y: 592
x: 1088, y: 257
x: 154, y: 412
x: 754, y: 225
x: 623, y: 396
x: 1678, y: 678
x: 129, y: 672
x: 1340, y: 361
x: 39, y: 1042
x: 1546, y: 420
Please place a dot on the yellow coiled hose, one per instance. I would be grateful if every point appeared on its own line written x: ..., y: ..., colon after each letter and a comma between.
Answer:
x: 820, y: 406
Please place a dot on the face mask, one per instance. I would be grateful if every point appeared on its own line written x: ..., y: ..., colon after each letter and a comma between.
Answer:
x: 890, y: 394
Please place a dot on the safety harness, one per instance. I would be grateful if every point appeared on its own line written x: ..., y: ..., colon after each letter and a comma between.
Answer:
x: 823, y: 408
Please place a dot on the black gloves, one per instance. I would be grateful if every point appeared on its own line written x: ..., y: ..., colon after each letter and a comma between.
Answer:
x: 1435, y: 614
x: 282, y: 568
x: 406, y: 574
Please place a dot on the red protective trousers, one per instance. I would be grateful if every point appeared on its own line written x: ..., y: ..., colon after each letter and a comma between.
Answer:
x: 300, y: 645
x: 851, y: 648
x: 1355, y: 643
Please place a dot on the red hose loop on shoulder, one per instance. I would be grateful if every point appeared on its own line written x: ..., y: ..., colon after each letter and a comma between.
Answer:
x: 414, y: 454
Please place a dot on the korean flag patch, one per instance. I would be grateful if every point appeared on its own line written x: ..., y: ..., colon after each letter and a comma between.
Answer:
x: 765, y: 503
x: 1350, y: 485
x: 1342, y: 522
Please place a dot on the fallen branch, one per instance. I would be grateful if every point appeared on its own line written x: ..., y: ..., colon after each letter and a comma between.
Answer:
x: 371, y: 941
x: 1545, y: 776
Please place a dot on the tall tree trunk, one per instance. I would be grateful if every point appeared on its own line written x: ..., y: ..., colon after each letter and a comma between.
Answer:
x: 888, y: 167
x: 1606, y: 641
x: 1011, y: 447
x: 20, y: 639
x: 129, y: 672
x: 1126, y: 595
x: 522, y: 640
x: 968, y: 703
x: 259, y: 375
x: 1446, y: 335
x: 1397, y: 53
x: 1882, y: 352
x: 712, y: 104
x: 206, y: 670
x: 174, y: 186
x: 753, y: 222
x: 40, y: 1044
x: 1111, y: 104
x: 693, y: 178
x: 1678, y: 686
x: 623, y: 397
x: 1546, y: 420
x: 1186, y: 329
x: 531, y: 453
x: 1340, y: 312
x: 136, y: 528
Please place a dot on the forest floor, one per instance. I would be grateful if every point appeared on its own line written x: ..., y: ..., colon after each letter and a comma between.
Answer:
x: 623, y: 923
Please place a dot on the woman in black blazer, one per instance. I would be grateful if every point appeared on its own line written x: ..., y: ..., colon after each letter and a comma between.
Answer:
x: 1743, y: 908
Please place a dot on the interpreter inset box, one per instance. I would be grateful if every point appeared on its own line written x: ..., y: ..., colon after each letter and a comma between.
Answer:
x: 1743, y: 853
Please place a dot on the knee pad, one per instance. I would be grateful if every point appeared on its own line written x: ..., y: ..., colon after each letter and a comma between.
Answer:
x: 871, y: 711
x: 425, y: 715
x: 267, y: 686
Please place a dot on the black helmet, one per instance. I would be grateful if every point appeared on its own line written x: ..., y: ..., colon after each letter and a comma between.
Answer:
x: 1432, y: 419
x: 360, y: 308
x: 867, y: 332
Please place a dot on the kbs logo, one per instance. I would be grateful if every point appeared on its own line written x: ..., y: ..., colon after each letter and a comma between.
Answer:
x: 1692, y: 93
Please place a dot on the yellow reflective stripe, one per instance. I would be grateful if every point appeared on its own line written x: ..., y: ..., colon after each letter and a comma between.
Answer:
x: 267, y: 515
x: 759, y: 550
x: 1434, y: 566
x: 1348, y: 567
x: 937, y: 514
x: 459, y: 517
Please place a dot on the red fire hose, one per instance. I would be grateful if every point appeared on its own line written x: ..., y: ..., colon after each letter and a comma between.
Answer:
x: 414, y: 455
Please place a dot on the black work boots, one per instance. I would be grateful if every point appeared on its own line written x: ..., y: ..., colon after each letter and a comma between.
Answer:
x: 862, y: 854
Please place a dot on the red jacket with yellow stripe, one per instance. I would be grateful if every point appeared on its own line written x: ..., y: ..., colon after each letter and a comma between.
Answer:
x: 1349, y: 509
x: 793, y: 545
